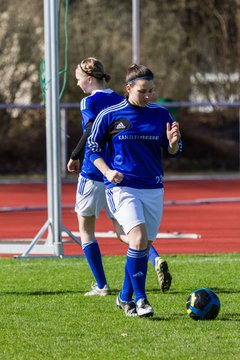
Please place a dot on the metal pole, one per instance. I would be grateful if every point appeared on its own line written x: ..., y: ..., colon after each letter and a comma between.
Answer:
x: 63, y: 116
x: 48, y: 112
x: 57, y: 236
x: 136, y: 31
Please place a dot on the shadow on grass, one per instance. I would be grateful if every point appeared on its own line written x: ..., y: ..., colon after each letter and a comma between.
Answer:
x: 226, y: 291
x: 41, y: 293
x: 114, y: 292
x: 170, y: 292
x: 230, y: 317
x: 168, y: 318
x: 184, y: 291
x: 226, y: 317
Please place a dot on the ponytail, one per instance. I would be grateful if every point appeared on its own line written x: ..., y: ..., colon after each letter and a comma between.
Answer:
x: 93, y: 67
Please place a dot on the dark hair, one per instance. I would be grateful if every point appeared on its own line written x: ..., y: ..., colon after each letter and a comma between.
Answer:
x: 93, y: 67
x: 138, y: 72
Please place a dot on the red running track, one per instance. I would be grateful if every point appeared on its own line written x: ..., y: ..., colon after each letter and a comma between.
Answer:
x: 210, y: 208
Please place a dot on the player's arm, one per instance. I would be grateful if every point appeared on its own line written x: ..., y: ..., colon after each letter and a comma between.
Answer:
x: 73, y: 163
x: 77, y: 152
x: 88, y: 116
x: 113, y: 176
x: 95, y: 147
x: 171, y: 140
x: 173, y: 136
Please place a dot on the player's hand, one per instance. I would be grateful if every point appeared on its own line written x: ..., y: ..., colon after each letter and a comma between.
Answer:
x: 73, y: 166
x: 173, y: 133
x: 114, y: 176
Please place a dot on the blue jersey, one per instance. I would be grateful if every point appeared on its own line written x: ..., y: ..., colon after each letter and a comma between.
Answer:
x: 135, y: 136
x: 90, y: 107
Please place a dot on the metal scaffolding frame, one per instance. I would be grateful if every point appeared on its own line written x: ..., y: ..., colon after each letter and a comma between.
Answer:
x: 53, y: 136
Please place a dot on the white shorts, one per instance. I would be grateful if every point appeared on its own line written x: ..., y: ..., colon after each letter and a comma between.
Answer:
x: 132, y: 207
x: 90, y: 197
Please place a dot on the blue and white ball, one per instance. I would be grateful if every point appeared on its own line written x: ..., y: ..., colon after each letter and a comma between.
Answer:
x: 203, y: 304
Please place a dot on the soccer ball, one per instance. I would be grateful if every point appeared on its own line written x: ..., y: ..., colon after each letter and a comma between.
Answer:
x: 203, y: 304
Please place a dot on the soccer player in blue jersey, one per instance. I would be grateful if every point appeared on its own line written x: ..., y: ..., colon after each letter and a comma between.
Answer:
x: 90, y: 197
x: 135, y: 131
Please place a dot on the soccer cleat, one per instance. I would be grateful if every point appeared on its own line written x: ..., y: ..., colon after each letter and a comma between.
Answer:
x: 96, y: 291
x: 129, y: 307
x: 163, y: 274
x: 143, y: 308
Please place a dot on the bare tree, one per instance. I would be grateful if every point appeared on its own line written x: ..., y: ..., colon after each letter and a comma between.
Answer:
x: 21, y: 43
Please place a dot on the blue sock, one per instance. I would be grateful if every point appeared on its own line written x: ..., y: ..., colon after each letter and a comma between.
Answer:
x: 127, y: 289
x: 152, y: 255
x: 94, y: 259
x: 137, y: 268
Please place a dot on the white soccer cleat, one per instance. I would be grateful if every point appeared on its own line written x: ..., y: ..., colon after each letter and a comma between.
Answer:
x: 129, y: 307
x: 99, y: 292
x: 143, y: 308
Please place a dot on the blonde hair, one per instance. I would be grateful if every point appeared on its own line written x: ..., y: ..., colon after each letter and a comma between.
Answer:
x: 93, y: 67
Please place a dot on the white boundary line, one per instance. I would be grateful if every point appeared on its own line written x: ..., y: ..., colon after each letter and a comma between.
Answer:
x: 21, y: 248
x: 173, y: 235
x: 167, y: 203
x: 13, y: 248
